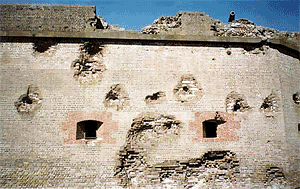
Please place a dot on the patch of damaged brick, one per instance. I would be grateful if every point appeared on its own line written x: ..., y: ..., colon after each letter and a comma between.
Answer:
x: 116, y: 97
x: 296, y: 98
x: 274, y: 174
x: 270, y: 103
x: 188, y: 89
x: 29, y: 102
x: 236, y: 102
x: 88, y: 68
x: 163, y: 24
x: 146, y: 132
x: 157, y: 97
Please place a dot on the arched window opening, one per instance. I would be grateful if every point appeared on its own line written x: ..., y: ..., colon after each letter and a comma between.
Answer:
x: 87, y: 129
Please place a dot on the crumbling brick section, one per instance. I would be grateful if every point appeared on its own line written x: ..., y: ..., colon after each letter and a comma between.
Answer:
x: 149, y: 130
x: 163, y: 23
x: 213, y: 165
x: 146, y: 131
x: 236, y: 102
x: 103, y: 133
x: 274, y: 174
x: 116, y: 97
x: 188, y: 89
x: 29, y: 102
x: 226, y: 126
x: 296, y: 98
x: 88, y: 68
x: 270, y: 103
x: 155, y: 98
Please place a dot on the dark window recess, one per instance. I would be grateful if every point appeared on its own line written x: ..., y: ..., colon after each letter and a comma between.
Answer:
x: 87, y: 129
x: 210, y: 128
x: 299, y: 127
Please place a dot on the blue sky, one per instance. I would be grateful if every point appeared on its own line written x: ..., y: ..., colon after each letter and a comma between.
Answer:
x: 136, y: 14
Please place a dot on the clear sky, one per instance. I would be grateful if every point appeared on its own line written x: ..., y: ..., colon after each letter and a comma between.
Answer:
x: 136, y: 14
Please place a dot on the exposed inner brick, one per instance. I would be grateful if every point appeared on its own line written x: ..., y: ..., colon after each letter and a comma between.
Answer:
x: 29, y: 102
x: 116, y: 97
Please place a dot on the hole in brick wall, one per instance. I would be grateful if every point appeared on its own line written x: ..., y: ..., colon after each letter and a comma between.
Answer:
x: 270, y: 103
x: 116, y: 97
x: 155, y: 97
x: 296, y: 98
x: 30, y: 101
x: 236, y: 102
x: 87, y: 129
x: 187, y: 89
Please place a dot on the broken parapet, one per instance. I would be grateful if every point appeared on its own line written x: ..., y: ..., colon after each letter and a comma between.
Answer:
x: 247, y: 28
x: 116, y: 97
x: 163, y: 23
x: 188, y: 89
x: 184, y: 23
x: 29, y: 102
x: 236, y: 102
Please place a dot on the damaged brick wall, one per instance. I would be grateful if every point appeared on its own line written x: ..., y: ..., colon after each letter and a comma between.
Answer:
x: 236, y: 102
x: 270, y: 103
x: 155, y: 98
x: 296, y: 98
x: 147, y: 131
x: 163, y: 23
x: 88, y: 68
x: 274, y: 174
x: 188, y: 89
x: 117, y: 97
x: 29, y: 102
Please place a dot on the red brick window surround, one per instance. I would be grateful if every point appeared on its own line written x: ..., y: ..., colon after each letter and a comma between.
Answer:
x: 214, y: 127
x: 84, y: 127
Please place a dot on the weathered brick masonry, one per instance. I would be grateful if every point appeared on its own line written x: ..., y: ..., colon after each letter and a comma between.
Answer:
x: 169, y: 110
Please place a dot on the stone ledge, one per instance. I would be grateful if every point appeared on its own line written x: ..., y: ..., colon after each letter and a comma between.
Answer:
x: 130, y: 35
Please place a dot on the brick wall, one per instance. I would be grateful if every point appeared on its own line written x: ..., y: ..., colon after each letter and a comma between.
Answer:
x: 35, y: 153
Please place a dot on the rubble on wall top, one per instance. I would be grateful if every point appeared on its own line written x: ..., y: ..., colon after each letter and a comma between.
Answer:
x: 82, y: 21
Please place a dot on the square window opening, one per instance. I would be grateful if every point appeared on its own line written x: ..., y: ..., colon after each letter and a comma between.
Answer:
x: 209, y: 129
x: 87, y: 129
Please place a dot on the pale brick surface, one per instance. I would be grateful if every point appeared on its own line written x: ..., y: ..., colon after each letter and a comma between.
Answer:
x: 34, y: 153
